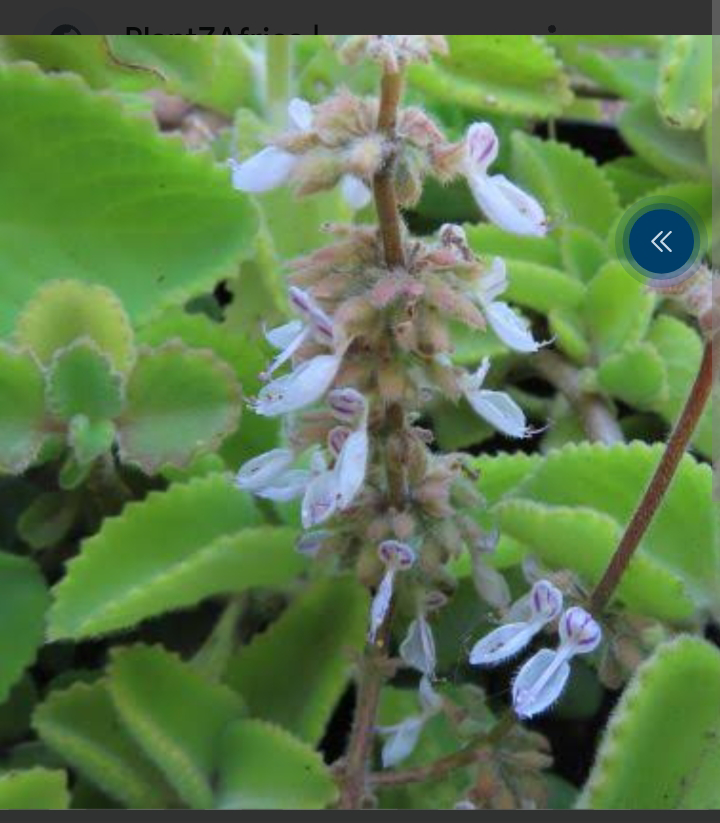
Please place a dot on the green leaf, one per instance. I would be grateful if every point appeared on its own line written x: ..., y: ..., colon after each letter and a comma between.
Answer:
x: 104, y: 198
x: 570, y: 332
x: 23, y: 603
x: 80, y: 724
x: 512, y: 73
x: 569, y: 184
x: 216, y: 71
x: 584, y: 541
x: 175, y: 716
x: 34, y: 789
x: 636, y: 375
x: 168, y: 552
x: 632, y: 178
x: 542, y: 288
x: 295, y: 673
x: 611, y: 480
x: 81, y: 381
x: 669, y: 723
x: 90, y: 439
x: 47, y: 520
x: 618, y: 310
x: 65, y: 311
x: 583, y: 253
x: 627, y: 76
x: 486, y: 239
x: 22, y: 410
x: 684, y: 92
x: 673, y: 152
x: 680, y: 348
x: 256, y: 435
x: 179, y: 402
x: 263, y: 767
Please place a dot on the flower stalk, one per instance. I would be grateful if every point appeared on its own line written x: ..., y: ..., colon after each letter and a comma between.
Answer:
x: 659, y: 485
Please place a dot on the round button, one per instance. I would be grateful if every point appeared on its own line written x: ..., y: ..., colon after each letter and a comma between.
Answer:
x: 662, y: 240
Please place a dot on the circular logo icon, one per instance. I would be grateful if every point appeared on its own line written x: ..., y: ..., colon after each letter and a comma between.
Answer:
x: 661, y: 239
x: 48, y: 22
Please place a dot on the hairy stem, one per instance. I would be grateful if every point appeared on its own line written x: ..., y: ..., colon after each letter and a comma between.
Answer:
x: 659, y: 485
x: 383, y: 185
x: 446, y: 765
x: 374, y: 665
x: 598, y: 420
x: 278, y: 65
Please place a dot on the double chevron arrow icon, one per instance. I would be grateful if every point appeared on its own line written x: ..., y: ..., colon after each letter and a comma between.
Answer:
x: 662, y: 242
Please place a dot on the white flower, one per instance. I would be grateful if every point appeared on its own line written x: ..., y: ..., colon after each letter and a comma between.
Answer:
x: 262, y: 471
x: 289, y: 338
x: 272, y: 167
x: 512, y: 329
x: 397, y: 557
x: 321, y: 496
x: 498, y: 408
x: 545, y: 604
x: 308, y: 384
x: 351, y: 468
x: 418, y: 648
x: 402, y: 739
x: 543, y: 678
x: 503, y: 203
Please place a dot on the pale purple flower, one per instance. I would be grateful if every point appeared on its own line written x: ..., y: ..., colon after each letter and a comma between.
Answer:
x: 503, y: 203
x: 307, y: 385
x: 289, y: 338
x: 542, y: 679
x: 544, y: 605
x: 351, y: 467
x: 262, y: 471
x: 510, y: 327
x: 418, y: 648
x: 402, y: 738
x: 273, y: 167
x: 397, y: 557
x: 498, y: 408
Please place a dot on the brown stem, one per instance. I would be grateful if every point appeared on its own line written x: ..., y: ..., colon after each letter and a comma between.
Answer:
x: 446, y: 765
x: 374, y: 665
x: 659, y: 485
x: 373, y: 673
x: 384, y: 183
x: 598, y: 421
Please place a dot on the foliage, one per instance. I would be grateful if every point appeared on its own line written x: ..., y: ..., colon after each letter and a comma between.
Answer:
x: 165, y: 645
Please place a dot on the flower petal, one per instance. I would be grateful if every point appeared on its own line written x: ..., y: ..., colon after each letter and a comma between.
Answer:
x: 303, y: 387
x: 507, y: 206
x: 512, y: 329
x: 482, y: 147
x: 491, y: 585
x: 430, y: 700
x: 501, y: 411
x: 381, y: 604
x: 418, y: 648
x: 348, y: 405
x: 287, y: 487
x: 320, y: 501
x: 352, y: 467
x: 579, y: 632
x: 540, y: 683
x: 401, y: 741
x: 300, y: 113
x: 264, y: 470
x: 503, y: 644
x: 283, y: 336
x: 356, y: 194
x: 310, y: 544
x: 264, y: 171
